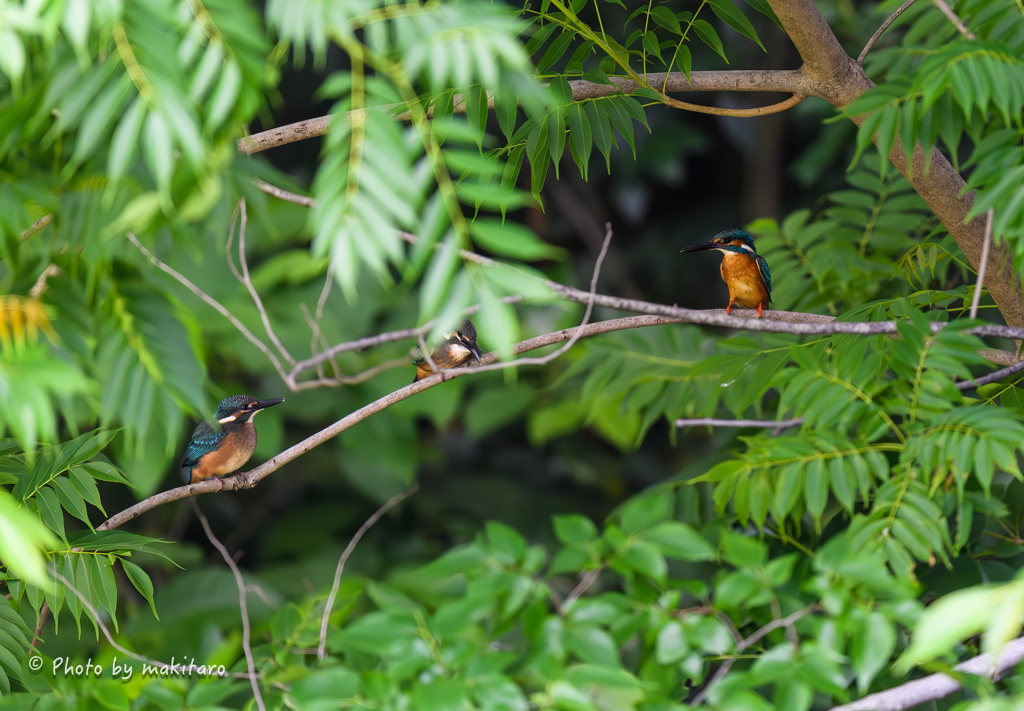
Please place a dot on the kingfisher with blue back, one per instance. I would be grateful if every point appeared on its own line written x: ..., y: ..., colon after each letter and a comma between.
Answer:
x: 744, y: 271
x: 456, y: 349
x: 225, y: 443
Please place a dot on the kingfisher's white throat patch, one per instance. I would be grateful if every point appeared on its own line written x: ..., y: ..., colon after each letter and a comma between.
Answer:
x: 229, y: 418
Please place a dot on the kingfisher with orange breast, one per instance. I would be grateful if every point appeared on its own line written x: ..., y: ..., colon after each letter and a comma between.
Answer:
x: 224, y: 444
x: 744, y: 271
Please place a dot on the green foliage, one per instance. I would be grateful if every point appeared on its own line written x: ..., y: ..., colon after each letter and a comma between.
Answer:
x: 896, y: 489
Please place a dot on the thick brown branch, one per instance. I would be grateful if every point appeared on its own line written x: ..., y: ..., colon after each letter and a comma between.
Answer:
x: 840, y: 80
x: 310, y: 128
x: 786, y: 81
x: 938, y: 686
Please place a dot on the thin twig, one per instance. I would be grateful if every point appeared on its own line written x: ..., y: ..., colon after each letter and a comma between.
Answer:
x: 283, y: 194
x: 989, y: 218
x: 736, y: 113
x: 241, y: 597
x: 249, y: 479
x: 367, y: 524
x: 35, y: 227
x: 544, y: 360
x: 740, y: 646
x: 883, y: 28
x: 252, y: 289
x: 957, y: 22
x: 584, y: 585
x: 360, y: 344
x: 219, y: 307
x: 231, y: 241
x: 712, y: 422
x: 938, y: 686
x: 425, y: 352
x: 110, y: 638
x: 991, y: 377
x: 324, y: 293
x: 44, y: 614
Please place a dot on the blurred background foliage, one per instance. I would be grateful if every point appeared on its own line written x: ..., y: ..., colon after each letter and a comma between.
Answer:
x: 569, y: 547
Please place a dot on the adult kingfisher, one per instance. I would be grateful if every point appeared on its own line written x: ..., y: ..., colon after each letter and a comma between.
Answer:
x: 744, y: 271
x: 225, y: 443
x: 456, y: 349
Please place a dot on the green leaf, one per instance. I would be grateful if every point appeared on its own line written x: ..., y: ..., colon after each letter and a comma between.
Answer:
x: 647, y: 560
x: 731, y: 15
x: 50, y: 510
x: 667, y: 19
x: 708, y: 35
x: 141, y: 582
x: 670, y: 646
x: 101, y: 575
x: 511, y: 239
x: 71, y: 500
x: 158, y: 150
x: 573, y: 528
x: 555, y: 51
x: 601, y: 131
x: 743, y: 552
x: 872, y: 644
x: 225, y: 95
x: 679, y: 541
x: 580, y: 137
x: 22, y: 538
x: 685, y: 60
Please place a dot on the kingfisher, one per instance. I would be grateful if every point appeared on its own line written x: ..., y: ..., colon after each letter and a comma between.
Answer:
x: 225, y: 443
x: 456, y: 349
x: 744, y: 271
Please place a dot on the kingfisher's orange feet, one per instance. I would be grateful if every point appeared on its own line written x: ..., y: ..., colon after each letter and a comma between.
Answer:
x: 759, y: 310
x: 728, y: 309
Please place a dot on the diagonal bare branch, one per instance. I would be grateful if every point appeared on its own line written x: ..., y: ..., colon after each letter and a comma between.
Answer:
x: 367, y: 524
x: 247, y: 281
x: 218, y: 307
x: 246, y: 631
x: 938, y: 686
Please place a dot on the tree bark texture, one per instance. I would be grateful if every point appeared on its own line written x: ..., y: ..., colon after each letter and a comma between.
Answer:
x: 839, y: 80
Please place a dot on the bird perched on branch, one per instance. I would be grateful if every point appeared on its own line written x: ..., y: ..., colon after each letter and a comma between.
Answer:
x: 744, y: 271
x: 224, y: 444
x: 456, y: 349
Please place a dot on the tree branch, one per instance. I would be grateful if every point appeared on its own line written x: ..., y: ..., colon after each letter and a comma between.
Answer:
x: 247, y: 281
x: 984, y: 263
x: 952, y: 17
x: 740, y: 646
x: 840, y: 80
x: 243, y: 606
x: 544, y: 360
x: 711, y: 422
x: 367, y: 524
x: 249, y: 479
x: 216, y: 305
x: 882, y: 29
x: 938, y: 686
x: 783, y: 81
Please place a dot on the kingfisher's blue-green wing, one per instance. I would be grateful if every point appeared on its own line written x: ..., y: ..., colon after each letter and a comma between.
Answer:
x: 204, y: 440
x: 766, y: 275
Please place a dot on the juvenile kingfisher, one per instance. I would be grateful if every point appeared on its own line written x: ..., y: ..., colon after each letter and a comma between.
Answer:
x: 744, y: 271
x: 225, y: 443
x: 457, y: 347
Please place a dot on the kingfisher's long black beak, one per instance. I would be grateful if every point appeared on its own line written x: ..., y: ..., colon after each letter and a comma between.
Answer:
x: 264, y: 404
x: 473, y: 348
x: 701, y: 246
